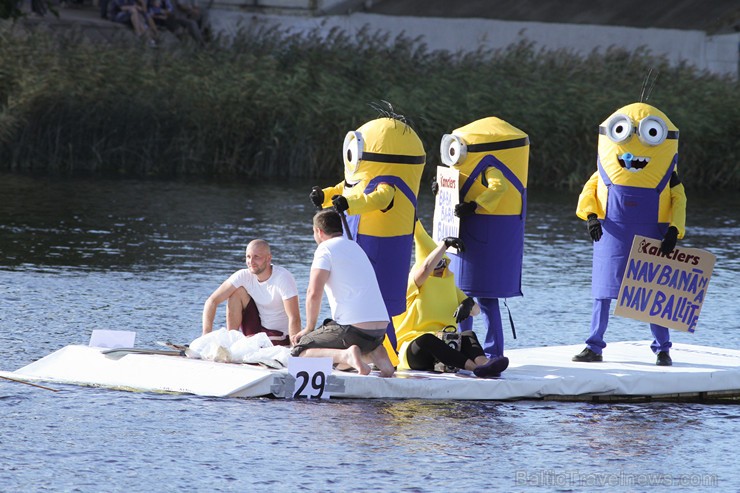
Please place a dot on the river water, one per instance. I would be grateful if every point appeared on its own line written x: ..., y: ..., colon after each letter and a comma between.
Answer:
x: 82, y: 254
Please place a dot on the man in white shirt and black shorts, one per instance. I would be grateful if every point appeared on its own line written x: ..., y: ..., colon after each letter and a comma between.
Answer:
x: 261, y: 298
x: 353, y: 337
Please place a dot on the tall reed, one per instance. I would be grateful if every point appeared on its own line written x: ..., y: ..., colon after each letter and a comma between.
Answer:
x: 271, y: 103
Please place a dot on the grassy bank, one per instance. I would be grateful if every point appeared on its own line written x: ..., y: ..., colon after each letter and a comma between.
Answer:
x: 277, y: 105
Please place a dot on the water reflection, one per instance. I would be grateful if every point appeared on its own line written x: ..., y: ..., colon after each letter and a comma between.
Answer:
x: 133, y: 224
x: 141, y: 225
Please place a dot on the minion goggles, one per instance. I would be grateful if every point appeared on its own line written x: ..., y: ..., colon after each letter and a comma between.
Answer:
x: 651, y: 131
x: 454, y: 149
x: 353, y: 151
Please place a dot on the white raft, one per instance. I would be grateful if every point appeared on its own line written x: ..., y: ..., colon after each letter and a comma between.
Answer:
x: 628, y: 372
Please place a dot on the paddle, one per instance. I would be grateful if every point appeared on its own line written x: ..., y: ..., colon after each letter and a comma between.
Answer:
x: 344, y: 224
x: 28, y: 383
x: 341, y: 214
x: 130, y: 350
x: 317, y: 196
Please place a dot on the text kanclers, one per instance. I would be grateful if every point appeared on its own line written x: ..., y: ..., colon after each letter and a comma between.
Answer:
x: 446, y: 223
x: 665, y: 289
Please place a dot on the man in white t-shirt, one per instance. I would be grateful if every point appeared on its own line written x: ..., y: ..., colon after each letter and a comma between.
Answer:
x: 354, y: 336
x: 261, y: 298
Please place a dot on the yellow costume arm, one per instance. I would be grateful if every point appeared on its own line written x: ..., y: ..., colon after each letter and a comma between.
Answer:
x: 330, y: 192
x: 378, y: 199
x: 497, y: 186
x: 587, y: 201
x: 460, y: 295
x: 678, y: 209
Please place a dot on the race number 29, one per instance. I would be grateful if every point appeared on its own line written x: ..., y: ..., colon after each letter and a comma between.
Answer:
x: 318, y: 384
x: 310, y: 377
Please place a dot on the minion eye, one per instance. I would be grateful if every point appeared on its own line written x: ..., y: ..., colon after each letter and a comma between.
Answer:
x: 652, y: 131
x: 452, y: 149
x: 352, y: 149
x: 619, y: 128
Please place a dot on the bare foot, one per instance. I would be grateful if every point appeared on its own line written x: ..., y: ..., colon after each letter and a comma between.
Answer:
x: 380, y: 359
x: 352, y: 357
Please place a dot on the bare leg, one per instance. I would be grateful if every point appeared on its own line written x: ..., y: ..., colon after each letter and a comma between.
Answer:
x: 350, y: 356
x: 138, y: 23
x: 235, y: 306
x: 152, y: 31
x: 379, y: 357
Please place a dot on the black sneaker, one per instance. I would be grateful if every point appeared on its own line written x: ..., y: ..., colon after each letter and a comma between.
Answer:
x: 664, y: 359
x: 493, y: 368
x: 587, y: 356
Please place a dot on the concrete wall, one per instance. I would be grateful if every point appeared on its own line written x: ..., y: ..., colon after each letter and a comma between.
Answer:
x: 717, y: 54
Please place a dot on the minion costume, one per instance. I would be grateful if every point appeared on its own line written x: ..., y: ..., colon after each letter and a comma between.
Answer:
x: 383, y: 164
x: 492, y: 157
x: 635, y: 191
x: 429, y: 307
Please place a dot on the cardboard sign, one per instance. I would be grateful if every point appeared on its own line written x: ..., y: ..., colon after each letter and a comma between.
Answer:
x: 667, y: 290
x: 310, y: 376
x: 445, y: 222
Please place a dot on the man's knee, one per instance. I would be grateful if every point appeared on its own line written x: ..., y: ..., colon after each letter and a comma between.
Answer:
x: 240, y: 296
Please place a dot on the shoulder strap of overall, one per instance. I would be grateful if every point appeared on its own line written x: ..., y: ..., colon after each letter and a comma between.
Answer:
x: 602, y: 173
x: 667, y: 176
x: 490, y: 161
x: 396, y: 182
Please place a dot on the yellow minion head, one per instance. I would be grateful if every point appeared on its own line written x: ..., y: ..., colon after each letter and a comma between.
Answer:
x: 637, y: 144
x: 385, y: 146
x: 466, y: 146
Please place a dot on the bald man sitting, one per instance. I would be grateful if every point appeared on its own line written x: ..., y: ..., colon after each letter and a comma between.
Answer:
x: 261, y: 298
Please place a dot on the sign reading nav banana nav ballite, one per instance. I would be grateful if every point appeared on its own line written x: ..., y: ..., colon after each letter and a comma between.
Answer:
x: 446, y: 223
x: 665, y: 289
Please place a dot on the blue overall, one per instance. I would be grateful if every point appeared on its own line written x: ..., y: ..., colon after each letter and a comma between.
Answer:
x: 630, y: 211
x: 390, y: 256
x: 491, y: 266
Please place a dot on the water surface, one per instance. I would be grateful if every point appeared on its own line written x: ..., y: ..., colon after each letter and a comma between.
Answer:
x: 81, y: 254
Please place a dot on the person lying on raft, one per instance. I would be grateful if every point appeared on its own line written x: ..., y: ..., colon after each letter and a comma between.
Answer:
x: 261, y: 298
x: 353, y: 337
x: 435, y: 304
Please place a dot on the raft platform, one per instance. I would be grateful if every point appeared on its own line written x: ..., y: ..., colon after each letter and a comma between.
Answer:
x: 628, y: 373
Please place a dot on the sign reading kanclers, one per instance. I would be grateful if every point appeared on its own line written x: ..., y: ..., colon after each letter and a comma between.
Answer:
x: 310, y: 376
x: 665, y: 289
x: 446, y: 223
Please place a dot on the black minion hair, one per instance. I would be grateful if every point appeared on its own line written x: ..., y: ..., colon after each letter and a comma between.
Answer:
x: 644, y: 97
x: 385, y: 110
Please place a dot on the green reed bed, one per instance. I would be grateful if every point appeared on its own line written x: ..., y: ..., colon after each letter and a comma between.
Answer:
x: 274, y: 104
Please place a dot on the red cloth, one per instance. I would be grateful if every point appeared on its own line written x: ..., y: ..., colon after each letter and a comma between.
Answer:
x: 252, y: 324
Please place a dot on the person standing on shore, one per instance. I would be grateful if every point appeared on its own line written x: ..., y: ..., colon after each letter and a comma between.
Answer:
x: 133, y: 13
